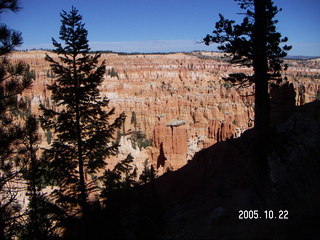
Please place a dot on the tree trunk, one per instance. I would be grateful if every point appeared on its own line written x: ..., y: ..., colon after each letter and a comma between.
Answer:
x: 260, y: 66
x: 83, y: 192
x: 35, y: 211
x: 262, y: 108
x: 2, y: 223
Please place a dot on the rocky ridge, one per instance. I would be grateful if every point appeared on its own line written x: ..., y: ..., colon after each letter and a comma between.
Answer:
x: 179, y: 100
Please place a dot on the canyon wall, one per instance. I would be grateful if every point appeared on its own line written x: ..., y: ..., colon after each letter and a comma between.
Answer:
x: 180, y: 101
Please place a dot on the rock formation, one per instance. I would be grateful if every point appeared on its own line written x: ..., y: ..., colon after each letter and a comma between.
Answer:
x: 187, y: 87
x: 282, y: 102
x: 171, y: 140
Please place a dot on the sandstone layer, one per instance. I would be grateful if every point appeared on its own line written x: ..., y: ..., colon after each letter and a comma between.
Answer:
x: 180, y: 101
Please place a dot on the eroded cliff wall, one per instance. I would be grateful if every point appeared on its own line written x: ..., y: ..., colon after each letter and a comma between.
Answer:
x: 167, y: 88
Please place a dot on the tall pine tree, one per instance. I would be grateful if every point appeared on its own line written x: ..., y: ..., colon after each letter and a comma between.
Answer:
x: 255, y: 43
x: 14, y: 78
x: 82, y: 132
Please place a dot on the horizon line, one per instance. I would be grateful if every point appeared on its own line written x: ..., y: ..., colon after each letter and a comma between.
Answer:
x: 151, y: 46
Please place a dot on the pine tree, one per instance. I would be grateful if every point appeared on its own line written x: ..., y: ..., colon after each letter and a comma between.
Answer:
x: 134, y: 120
x: 14, y: 78
x: 80, y: 125
x: 119, y: 180
x: 148, y: 174
x: 41, y: 213
x: 255, y: 43
x: 10, y: 39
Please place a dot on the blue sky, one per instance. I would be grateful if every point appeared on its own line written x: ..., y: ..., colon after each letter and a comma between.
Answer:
x: 157, y: 25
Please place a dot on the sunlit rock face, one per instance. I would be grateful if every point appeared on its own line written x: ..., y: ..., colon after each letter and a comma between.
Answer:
x: 180, y: 101
x: 172, y: 141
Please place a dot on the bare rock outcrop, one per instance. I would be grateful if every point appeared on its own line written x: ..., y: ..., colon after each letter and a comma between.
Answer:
x: 177, y: 86
x: 282, y: 102
x: 220, y: 131
x: 171, y: 139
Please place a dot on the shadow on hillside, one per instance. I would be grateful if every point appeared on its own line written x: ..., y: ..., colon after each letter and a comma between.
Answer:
x: 202, y: 200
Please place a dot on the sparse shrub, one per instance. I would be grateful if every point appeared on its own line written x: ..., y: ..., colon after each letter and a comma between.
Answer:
x: 235, y: 122
x: 139, y: 139
x: 227, y: 85
x: 48, y: 136
x: 112, y: 73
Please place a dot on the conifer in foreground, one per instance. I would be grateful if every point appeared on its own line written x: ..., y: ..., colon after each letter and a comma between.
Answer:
x: 80, y: 124
x: 255, y: 43
x: 14, y: 79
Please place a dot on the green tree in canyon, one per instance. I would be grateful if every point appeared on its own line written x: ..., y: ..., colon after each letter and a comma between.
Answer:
x: 82, y: 132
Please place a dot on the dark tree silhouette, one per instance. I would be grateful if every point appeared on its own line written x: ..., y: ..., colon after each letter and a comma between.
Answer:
x: 41, y: 213
x: 119, y: 180
x: 255, y: 43
x: 134, y: 120
x: 148, y: 174
x: 14, y: 78
x: 80, y: 125
x: 132, y: 208
x: 10, y: 39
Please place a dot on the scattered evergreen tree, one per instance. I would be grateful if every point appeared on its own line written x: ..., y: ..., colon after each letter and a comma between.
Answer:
x: 139, y: 139
x: 119, y: 179
x: 80, y: 125
x: 14, y: 78
x: 130, y: 211
x: 148, y: 174
x: 134, y: 120
x: 112, y: 73
x: 41, y: 214
x: 48, y: 136
x: 50, y: 74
